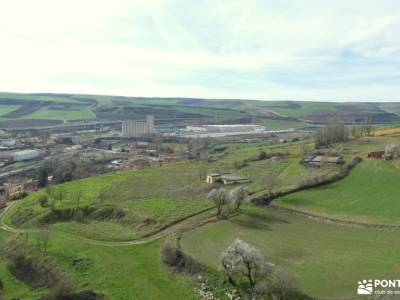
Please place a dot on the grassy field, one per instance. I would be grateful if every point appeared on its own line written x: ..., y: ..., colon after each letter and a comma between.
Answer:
x: 158, y: 196
x: 328, y: 259
x: 78, y: 113
x: 152, y: 198
x: 219, y: 109
x: 12, y: 287
x: 5, y: 109
x: 368, y: 194
x: 125, y: 272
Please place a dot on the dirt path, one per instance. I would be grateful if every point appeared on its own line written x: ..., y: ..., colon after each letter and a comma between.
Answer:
x: 337, y: 221
x: 170, y: 229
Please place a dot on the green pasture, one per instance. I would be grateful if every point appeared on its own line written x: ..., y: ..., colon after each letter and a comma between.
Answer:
x: 369, y: 194
x: 328, y: 259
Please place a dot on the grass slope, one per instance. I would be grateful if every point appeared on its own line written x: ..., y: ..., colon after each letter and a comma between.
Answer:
x: 328, y: 259
x: 158, y: 196
x: 368, y: 194
x: 127, y: 272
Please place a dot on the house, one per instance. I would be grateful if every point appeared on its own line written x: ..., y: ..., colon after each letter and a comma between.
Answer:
x: 230, y: 178
x: 376, y: 154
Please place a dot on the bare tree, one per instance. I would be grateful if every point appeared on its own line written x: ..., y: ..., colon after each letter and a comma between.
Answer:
x: 220, y: 198
x: 44, y: 237
x: 241, y: 259
x: 78, y: 197
x: 203, y: 172
x: 237, y: 196
x: 330, y: 134
x: 283, y: 282
x: 272, y: 180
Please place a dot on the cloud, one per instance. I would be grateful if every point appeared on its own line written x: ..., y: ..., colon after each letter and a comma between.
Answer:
x: 287, y: 49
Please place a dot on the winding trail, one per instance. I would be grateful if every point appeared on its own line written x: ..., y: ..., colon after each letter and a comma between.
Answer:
x: 162, y: 233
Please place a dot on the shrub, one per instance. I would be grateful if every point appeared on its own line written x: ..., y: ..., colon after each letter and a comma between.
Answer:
x: 43, y: 201
x: 262, y: 155
x: 239, y: 164
x: 32, y: 267
x: 174, y: 257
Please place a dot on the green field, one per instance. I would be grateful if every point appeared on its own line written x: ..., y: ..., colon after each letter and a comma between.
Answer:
x: 328, y: 259
x: 369, y: 194
x: 273, y: 114
x: 155, y: 197
x: 5, y: 109
x: 160, y: 196
x: 120, y: 272
x: 152, y: 199
x: 78, y: 113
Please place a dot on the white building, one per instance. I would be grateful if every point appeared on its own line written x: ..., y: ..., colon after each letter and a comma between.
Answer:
x: 8, y: 142
x: 24, y: 155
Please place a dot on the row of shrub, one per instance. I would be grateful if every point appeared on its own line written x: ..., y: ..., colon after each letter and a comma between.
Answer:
x: 262, y: 155
x: 83, y: 213
x: 24, y: 216
x: 33, y: 267
x: 38, y: 271
x: 310, y: 183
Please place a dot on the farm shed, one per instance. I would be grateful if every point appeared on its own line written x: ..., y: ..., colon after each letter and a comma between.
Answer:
x: 227, y: 178
x: 213, y: 177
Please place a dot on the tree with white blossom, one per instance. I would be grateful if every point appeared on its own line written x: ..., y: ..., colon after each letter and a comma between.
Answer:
x: 241, y: 259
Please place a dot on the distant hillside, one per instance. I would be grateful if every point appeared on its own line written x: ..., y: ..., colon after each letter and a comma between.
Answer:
x: 46, y: 108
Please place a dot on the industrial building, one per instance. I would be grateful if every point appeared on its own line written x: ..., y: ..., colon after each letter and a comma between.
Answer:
x: 24, y: 155
x: 223, y: 130
x: 138, y: 128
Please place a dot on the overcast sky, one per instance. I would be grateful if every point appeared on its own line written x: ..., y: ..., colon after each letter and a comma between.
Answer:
x: 268, y: 49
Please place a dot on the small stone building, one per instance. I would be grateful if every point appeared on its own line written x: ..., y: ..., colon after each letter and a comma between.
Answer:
x: 230, y: 178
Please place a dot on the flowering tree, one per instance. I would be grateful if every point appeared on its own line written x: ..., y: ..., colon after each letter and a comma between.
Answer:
x: 237, y: 196
x: 220, y: 198
x: 241, y: 259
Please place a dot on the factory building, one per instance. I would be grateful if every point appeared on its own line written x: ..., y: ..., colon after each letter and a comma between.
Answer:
x: 138, y: 128
x: 25, y: 155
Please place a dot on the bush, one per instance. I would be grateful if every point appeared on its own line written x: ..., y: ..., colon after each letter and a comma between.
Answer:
x: 83, y: 295
x: 32, y: 267
x: 239, y: 164
x: 174, y: 257
x: 262, y: 155
x: 43, y: 201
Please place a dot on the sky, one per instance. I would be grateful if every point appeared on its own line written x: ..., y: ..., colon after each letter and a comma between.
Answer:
x: 269, y: 49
